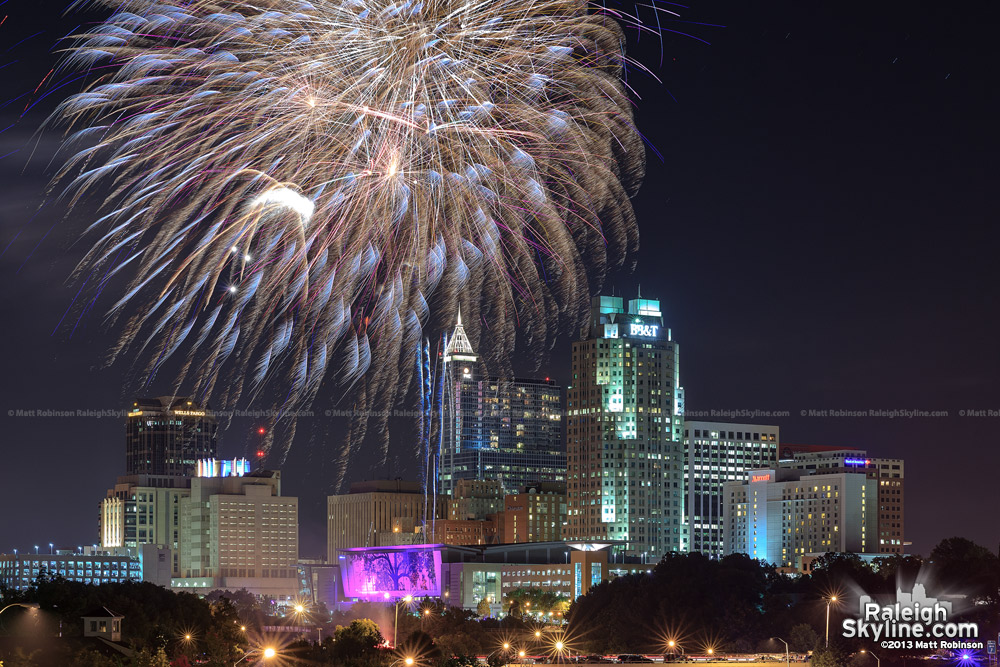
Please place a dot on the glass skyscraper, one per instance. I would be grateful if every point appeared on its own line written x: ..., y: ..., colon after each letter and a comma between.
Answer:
x: 497, y: 428
x: 624, y: 421
x: 168, y: 435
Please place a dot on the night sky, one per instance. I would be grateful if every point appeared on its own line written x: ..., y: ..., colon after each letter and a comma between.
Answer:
x: 821, y: 232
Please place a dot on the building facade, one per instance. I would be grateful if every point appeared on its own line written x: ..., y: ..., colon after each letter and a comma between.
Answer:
x: 624, y: 424
x: 145, y: 509
x: 168, y: 435
x: 509, y: 430
x: 717, y: 453
x: 888, y: 472
x: 475, y: 499
x: 372, y: 509
x: 779, y: 515
x: 86, y: 566
x: 537, y: 514
x: 239, y: 532
x: 466, y: 575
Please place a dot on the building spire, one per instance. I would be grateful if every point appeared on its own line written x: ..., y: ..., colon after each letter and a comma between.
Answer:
x: 458, y: 343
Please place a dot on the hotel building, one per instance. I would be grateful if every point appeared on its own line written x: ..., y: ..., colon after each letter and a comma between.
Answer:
x: 887, y: 472
x: 717, y: 453
x: 625, y: 476
x: 779, y: 515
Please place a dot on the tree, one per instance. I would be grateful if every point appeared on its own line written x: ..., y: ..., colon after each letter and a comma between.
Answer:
x: 802, y: 638
x: 149, y: 658
x: 483, y: 608
x: 357, y: 644
x: 834, y: 656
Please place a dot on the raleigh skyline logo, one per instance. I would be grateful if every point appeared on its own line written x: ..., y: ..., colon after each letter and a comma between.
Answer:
x: 914, y: 621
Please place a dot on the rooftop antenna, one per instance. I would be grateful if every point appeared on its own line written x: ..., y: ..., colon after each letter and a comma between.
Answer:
x: 640, y: 291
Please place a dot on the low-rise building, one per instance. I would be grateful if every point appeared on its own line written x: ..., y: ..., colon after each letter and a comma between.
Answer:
x: 86, y: 565
x: 466, y: 575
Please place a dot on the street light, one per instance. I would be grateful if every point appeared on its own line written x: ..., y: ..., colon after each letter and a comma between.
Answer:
x: 408, y: 599
x: 266, y: 654
x: 877, y: 661
x: 26, y: 605
x: 505, y: 648
x: 559, y: 646
x: 520, y: 656
x: 829, y: 601
x: 786, y: 648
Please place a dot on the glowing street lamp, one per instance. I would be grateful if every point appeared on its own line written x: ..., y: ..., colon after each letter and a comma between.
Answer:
x: 26, y: 605
x: 408, y: 599
x: 877, y: 661
x: 786, y: 648
x: 829, y: 601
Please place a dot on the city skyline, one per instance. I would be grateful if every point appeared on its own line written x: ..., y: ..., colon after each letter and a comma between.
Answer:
x: 815, y: 237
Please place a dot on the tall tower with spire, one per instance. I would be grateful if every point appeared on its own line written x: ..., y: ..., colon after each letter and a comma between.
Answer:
x: 506, y: 429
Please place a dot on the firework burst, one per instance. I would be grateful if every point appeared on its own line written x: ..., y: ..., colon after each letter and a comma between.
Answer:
x: 293, y: 188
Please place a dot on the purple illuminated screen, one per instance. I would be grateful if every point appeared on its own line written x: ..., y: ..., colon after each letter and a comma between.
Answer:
x: 373, y: 573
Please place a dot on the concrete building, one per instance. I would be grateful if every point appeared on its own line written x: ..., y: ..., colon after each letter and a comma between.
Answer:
x: 461, y: 532
x: 625, y: 431
x: 778, y: 515
x: 475, y: 499
x: 145, y: 509
x: 239, y: 532
x: 888, y: 472
x: 717, y: 453
x: 504, y: 429
x: 537, y: 514
x: 168, y: 435
x: 373, y: 508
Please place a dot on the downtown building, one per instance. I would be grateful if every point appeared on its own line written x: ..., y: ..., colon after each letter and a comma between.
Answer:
x: 717, y: 453
x: 195, y: 522
x: 379, y: 513
x: 888, y: 473
x: 145, y: 509
x: 783, y: 516
x: 239, y: 532
x: 624, y: 432
x: 537, y: 514
x: 492, y: 428
x: 167, y: 436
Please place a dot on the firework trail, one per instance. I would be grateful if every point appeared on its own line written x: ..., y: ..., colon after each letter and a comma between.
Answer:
x: 292, y: 189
